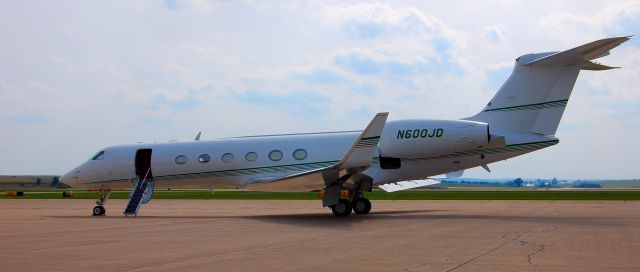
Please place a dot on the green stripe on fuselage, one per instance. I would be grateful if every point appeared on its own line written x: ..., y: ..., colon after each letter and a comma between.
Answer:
x: 536, y: 106
x: 315, y: 165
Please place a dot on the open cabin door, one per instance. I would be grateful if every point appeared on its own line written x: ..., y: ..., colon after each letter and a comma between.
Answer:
x: 143, y: 189
x: 143, y: 164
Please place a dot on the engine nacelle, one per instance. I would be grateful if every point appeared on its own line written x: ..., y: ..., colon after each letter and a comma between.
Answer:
x: 410, y: 139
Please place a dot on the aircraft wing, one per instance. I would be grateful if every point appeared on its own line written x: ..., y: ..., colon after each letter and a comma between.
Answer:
x: 409, y: 184
x: 456, y: 174
x: 357, y: 159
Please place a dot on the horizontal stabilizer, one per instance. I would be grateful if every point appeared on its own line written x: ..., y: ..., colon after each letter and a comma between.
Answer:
x: 594, y: 66
x: 582, y: 54
x: 410, y: 184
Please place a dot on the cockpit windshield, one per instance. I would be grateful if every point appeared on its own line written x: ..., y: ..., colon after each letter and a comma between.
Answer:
x: 98, y: 156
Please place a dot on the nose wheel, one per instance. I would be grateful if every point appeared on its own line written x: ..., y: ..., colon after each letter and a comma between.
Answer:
x: 98, y: 210
x: 103, y: 196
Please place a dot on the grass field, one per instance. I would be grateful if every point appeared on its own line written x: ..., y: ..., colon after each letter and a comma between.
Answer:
x: 376, y: 195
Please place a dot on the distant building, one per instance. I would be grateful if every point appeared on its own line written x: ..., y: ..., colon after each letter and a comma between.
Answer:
x: 540, y: 183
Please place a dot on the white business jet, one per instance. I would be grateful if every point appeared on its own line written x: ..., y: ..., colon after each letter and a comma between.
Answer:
x: 396, y: 155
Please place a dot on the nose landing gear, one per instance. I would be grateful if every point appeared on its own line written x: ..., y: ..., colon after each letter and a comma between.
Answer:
x: 98, y: 210
x: 103, y: 196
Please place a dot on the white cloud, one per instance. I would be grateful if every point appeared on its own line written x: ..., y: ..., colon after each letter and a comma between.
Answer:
x: 609, y: 20
x: 495, y: 37
x: 195, y: 5
x: 621, y: 84
x: 209, y: 66
x: 377, y: 20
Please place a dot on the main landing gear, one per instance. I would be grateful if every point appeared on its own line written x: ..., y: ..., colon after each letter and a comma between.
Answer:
x: 346, y: 193
x: 361, y: 206
x: 344, y: 207
x: 103, y: 196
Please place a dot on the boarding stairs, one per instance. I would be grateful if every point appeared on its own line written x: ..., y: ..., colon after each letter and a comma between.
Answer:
x: 140, y: 194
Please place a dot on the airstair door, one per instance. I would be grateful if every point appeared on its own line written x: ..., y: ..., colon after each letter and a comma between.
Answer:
x: 143, y: 164
x: 143, y: 189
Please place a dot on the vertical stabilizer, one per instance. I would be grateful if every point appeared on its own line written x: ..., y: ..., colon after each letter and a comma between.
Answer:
x: 534, y: 97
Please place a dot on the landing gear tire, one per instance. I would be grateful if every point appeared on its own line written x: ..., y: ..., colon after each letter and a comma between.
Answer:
x: 98, y: 211
x: 342, y: 209
x: 361, y: 206
x: 103, y: 196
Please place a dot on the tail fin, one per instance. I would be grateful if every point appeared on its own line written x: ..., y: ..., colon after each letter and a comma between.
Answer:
x: 533, y: 98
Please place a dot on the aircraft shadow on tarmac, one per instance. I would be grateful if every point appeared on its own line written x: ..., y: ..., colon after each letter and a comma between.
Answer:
x: 324, y: 220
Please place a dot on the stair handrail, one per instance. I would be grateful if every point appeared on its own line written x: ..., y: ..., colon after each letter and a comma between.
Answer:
x: 145, y: 175
x: 133, y: 172
x: 135, y: 185
x: 136, y: 189
x: 145, y: 180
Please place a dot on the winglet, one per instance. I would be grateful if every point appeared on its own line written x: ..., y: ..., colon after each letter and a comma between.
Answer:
x: 198, y: 136
x: 364, y: 148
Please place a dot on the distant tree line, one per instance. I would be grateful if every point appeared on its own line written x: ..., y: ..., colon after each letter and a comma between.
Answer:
x: 587, y: 185
x: 516, y: 182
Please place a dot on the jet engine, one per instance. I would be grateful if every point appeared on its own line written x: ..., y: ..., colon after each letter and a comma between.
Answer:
x: 410, y: 139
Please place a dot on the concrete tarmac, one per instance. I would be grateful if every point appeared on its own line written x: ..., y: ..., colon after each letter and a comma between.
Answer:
x: 256, y: 235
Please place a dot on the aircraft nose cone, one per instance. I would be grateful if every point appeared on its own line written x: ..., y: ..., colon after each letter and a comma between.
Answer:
x: 70, y: 178
x: 64, y: 178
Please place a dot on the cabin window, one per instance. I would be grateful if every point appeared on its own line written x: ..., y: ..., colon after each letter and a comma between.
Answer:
x: 300, y: 154
x: 98, y: 156
x: 251, y: 156
x: 275, y: 155
x: 204, y: 158
x: 227, y: 157
x: 182, y: 159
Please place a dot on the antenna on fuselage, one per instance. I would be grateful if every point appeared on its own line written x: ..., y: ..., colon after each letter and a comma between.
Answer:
x: 198, y: 136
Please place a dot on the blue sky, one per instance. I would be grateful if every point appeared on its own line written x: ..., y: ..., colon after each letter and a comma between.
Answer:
x: 76, y: 76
